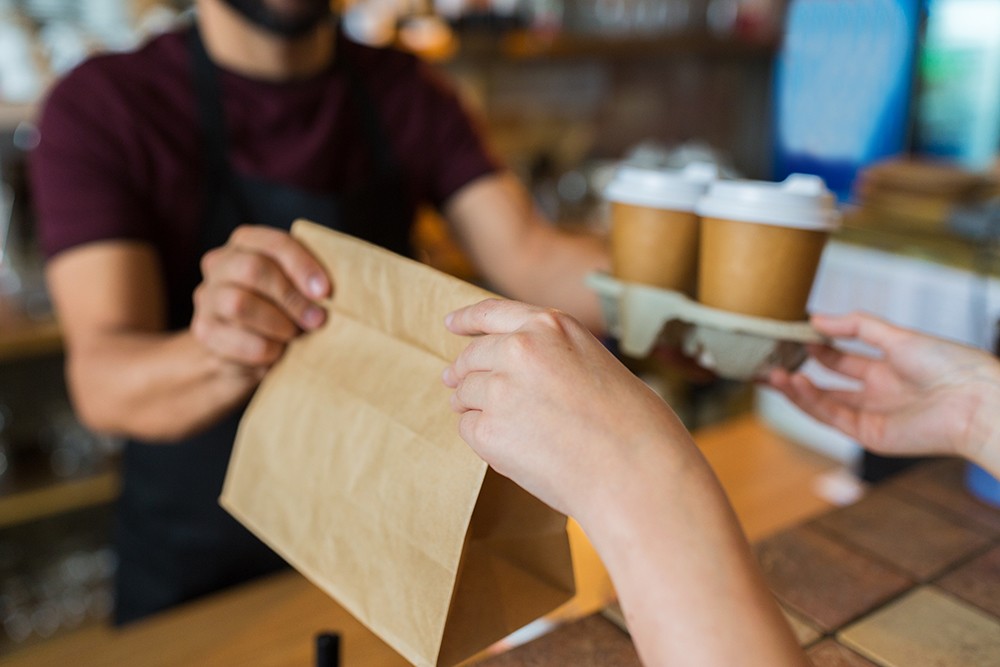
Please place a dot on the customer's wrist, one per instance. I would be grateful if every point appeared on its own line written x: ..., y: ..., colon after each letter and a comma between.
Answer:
x: 636, y: 493
x: 982, y: 445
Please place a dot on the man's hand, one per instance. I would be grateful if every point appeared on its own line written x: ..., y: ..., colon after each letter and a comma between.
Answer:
x: 257, y: 294
x: 923, y: 395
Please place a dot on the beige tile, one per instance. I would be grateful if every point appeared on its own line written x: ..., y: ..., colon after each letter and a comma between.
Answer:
x: 926, y: 628
x: 805, y: 633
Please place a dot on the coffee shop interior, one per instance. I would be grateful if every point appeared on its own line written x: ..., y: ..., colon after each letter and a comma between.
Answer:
x: 894, y: 104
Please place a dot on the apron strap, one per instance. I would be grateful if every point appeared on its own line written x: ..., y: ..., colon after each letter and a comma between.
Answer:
x: 211, y: 114
x: 215, y: 140
x: 375, y: 133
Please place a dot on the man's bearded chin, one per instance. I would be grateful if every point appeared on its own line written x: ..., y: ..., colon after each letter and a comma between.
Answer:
x: 283, y: 23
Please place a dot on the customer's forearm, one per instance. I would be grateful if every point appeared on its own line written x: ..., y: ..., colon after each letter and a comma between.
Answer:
x: 687, y: 582
x: 158, y: 387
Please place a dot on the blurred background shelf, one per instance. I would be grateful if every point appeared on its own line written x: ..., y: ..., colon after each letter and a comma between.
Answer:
x: 520, y: 45
x: 34, y: 493
x: 526, y: 45
x: 22, y: 338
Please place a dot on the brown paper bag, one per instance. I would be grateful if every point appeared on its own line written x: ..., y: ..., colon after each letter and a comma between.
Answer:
x: 348, y: 463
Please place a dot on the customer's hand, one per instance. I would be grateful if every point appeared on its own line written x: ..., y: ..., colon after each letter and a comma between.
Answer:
x: 257, y: 294
x: 544, y: 403
x: 923, y: 395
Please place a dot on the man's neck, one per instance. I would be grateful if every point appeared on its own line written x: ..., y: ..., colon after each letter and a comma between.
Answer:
x: 239, y: 46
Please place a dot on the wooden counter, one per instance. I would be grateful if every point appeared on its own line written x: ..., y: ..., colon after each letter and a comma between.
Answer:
x: 274, y: 621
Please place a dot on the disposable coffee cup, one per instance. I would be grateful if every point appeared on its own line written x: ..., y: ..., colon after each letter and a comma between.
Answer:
x: 761, y: 244
x: 654, y: 227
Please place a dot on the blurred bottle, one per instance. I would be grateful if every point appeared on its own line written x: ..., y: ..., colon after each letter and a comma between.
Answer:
x: 622, y: 18
x: 501, y: 15
x: 4, y: 444
x: 55, y: 575
x: 10, y: 282
x: 745, y: 20
x: 540, y: 16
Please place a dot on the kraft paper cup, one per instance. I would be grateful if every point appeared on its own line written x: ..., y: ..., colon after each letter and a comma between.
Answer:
x: 654, y: 228
x: 761, y: 244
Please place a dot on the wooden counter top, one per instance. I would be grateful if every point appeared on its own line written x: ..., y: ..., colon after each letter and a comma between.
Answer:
x: 769, y: 479
x: 274, y: 621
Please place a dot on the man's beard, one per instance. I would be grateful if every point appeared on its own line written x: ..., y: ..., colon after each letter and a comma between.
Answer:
x: 283, y: 24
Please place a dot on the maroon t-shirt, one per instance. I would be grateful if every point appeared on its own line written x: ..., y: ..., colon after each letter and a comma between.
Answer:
x: 121, y: 153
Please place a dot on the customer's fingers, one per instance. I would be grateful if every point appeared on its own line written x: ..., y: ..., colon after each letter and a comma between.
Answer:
x: 864, y: 327
x: 472, y: 393
x: 851, y: 365
x: 491, y: 316
x: 479, y: 355
x: 469, y: 428
x: 839, y: 409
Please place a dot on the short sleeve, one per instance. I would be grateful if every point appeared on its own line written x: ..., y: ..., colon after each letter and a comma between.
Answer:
x: 82, y: 184
x: 441, y: 143
x: 462, y: 136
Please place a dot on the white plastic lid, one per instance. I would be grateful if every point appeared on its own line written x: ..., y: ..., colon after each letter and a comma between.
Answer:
x: 801, y: 201
x: 679, y: 189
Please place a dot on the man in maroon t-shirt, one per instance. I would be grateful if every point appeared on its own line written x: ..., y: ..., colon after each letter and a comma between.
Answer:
x: 165, y: 181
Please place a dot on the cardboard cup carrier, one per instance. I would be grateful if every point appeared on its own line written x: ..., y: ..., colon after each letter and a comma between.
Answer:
x: 761, y: 244
x: 654, y: 227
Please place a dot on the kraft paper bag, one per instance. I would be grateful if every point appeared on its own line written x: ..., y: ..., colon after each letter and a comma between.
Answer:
x: 348, y: 463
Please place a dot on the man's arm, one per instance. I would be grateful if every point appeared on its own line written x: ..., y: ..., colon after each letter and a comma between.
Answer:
x: 520, y: 253
x: 128, y: 376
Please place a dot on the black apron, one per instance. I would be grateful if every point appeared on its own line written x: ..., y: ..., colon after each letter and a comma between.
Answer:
x: 174, y: 541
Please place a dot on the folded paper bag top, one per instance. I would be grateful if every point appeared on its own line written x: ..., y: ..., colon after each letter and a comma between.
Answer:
x: 348, y: 463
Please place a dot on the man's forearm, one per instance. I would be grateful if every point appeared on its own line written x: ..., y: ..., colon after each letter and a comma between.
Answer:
x: 158, y: 387
x: 553, y: 270
x: 521, y: 254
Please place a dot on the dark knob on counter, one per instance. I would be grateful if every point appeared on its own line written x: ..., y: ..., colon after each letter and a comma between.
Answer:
x: 328, y: 649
